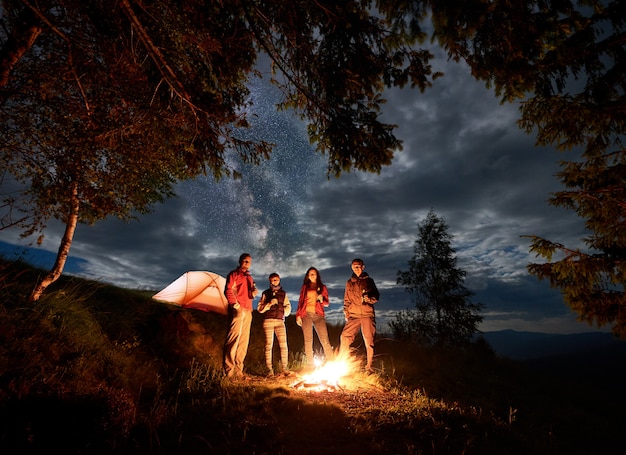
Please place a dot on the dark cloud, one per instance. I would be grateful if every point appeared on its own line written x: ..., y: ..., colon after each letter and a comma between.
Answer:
x: 463, y: 156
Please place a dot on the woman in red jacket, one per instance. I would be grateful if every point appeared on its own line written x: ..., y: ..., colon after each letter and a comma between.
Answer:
x: 310, y: 313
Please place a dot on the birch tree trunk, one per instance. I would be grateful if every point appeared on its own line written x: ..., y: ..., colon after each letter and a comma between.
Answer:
x: 64, y: 248
x: 19, y: 41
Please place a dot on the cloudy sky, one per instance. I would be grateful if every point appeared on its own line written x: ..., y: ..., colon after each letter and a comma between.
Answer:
x: 464, y: 157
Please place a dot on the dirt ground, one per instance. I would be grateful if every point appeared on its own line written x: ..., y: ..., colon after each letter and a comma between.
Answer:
x: 322, y: 418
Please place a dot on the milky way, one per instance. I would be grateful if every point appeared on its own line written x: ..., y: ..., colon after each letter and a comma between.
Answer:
x: 264, y: 212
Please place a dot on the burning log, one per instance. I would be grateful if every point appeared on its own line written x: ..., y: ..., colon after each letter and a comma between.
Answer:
x: 317, y: 385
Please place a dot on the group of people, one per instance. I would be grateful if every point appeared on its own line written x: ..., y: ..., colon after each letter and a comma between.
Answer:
x: 358, y: 306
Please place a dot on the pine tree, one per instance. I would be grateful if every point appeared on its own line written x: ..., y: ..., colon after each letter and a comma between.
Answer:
x: 592, y: 282
x: 444, y: 313
x: 569, y: 69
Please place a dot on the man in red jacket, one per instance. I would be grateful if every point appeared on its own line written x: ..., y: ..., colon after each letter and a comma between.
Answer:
x: 240, y: 289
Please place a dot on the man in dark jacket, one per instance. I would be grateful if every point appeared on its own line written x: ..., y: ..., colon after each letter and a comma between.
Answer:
x: 358, y: 307
x: 274, y: 306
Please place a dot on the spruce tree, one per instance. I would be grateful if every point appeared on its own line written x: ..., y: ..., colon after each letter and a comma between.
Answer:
x: 444, y: 314
x: 569, y: 70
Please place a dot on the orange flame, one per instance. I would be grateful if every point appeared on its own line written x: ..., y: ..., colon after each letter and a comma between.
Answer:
x: 327, y: 376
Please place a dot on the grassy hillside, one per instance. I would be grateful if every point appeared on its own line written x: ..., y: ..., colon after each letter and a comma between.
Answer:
x: 93, y: 368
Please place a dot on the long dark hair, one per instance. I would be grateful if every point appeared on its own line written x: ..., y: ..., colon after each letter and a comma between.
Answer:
x: 319, y: 283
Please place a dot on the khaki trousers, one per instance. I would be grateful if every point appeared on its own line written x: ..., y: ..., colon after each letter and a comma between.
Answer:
x: 237, y: 340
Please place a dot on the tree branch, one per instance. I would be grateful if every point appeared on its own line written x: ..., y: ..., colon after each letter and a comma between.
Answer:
x: 157, y: 56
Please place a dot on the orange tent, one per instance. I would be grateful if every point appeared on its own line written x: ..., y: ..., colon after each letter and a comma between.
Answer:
x: 199, y: 290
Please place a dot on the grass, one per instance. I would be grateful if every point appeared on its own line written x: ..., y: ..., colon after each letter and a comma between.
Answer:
x: 93, y: 368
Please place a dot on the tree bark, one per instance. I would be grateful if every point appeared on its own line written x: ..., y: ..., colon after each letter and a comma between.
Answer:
x: 64, y: 248
x: 20, y: 40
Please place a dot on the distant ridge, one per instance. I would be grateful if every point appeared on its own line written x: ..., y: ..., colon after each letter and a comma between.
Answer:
x: 587, y: 359
x: 536, y: 345
x: 38, y: 257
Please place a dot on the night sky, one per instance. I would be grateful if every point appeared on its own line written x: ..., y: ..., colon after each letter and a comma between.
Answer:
x: 464, y: 157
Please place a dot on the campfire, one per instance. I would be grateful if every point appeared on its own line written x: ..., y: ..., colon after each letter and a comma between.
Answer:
x: 326, y: 377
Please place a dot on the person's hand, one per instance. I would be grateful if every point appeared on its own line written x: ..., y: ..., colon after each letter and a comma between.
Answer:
x: 236, y: 306
x: 255, y: 292
x: 273, y: 302
x: 320, y: 298
x: 299, y: 321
